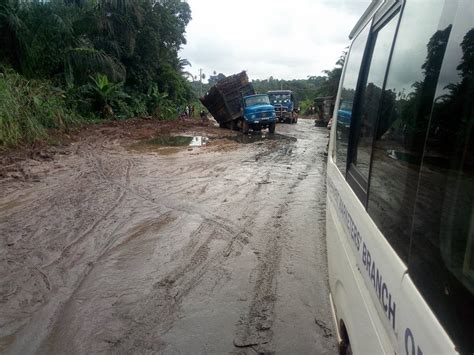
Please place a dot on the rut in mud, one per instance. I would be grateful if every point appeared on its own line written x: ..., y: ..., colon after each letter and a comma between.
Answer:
x: 214, y: 250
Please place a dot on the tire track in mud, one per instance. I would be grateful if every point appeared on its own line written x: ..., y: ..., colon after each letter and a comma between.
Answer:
x: 74, y: 255
x: 276, y: 152
x: 168, y: 293
x: 123, y: 186
x: 170, y: 290
x: 54, y: 342
x: 197, y: 267
x: 188, y: 207
x: 119, y: 197
x: 254, y: 328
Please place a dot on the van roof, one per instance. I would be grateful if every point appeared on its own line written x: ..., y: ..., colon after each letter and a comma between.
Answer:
x: 366, y: 16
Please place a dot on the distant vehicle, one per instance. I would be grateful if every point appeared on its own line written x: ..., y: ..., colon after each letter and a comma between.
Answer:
x: 285, y: 105
x: 324, y: 106
x: 233, y: 104
x: 400, y: 182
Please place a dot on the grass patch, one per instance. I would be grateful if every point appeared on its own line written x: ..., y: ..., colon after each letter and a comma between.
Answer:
x: 29, y: 108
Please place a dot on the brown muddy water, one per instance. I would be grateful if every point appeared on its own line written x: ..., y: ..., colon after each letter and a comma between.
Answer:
x: 216, y: 249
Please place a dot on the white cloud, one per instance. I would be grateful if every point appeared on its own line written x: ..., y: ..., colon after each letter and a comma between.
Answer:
x: 283, y: 39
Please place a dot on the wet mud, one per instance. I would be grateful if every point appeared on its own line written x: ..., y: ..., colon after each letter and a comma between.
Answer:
x: 214, y: 248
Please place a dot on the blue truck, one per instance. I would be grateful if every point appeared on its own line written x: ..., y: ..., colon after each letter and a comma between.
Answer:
x: 285, y: 105
x: 234, y: 104
x: 258, y: 113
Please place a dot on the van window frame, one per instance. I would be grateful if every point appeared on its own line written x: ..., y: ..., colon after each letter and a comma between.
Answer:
x: 359, y: 184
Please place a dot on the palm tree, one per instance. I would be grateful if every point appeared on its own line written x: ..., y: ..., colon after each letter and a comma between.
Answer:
x: 182, y: 64
x: 14, y: 35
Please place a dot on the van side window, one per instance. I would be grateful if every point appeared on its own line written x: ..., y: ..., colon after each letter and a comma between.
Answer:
x: 405, y: 110
x: 367, y: 107
x: 441, y: 260
x: 344, y: 111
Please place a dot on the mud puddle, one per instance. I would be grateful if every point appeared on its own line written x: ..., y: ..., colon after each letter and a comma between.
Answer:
x: 169, y: 141
x: 255, y: 137
x: 169, y: 144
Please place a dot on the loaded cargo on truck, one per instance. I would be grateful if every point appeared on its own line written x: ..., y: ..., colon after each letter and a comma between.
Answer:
x: 234, y: 104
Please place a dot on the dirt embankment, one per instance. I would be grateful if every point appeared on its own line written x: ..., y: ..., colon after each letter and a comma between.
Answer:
x: 113, y: 244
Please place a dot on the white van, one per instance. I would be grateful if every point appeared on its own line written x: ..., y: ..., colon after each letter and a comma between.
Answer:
x: 400, y: 182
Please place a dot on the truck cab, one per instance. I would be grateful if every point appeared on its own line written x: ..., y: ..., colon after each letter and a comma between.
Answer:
x: 258, y: 113
x: 285, y: 105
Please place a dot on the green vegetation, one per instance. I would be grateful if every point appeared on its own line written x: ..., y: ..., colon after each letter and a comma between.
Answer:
x: 29, y: 107
x: 64, y: 61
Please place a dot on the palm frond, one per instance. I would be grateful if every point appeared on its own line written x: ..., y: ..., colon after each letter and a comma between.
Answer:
x: 62, y: 24
x: 84, y: 61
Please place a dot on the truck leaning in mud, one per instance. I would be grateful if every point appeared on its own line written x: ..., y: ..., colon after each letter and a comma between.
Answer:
x: 234, y: 104
x: 285, y: 105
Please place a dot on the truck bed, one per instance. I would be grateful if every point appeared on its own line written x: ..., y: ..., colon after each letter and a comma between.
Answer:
x: 223, y: 100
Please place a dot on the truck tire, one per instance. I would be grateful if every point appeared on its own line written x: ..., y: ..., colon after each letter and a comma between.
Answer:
x: 245, y: 127
x: 271, y: 128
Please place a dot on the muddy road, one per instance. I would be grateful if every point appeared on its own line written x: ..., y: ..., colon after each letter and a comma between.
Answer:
x: 119, y: 247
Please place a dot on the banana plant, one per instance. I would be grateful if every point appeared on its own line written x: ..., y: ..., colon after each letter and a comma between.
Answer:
x: 159, y: 104
x: 105, y: 93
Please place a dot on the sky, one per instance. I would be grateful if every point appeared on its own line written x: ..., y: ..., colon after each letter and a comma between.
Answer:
x: 290, y: 39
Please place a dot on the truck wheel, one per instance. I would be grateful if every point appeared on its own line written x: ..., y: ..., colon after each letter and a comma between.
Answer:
x: 271, y: 128
x: 245, y: 127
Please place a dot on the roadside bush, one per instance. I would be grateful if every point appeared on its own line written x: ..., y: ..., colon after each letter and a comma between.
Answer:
x: 28, y: 108
x: 159, y: 104
x: 305, y: 106
x: 131, y: 107
x: 105, y: 95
